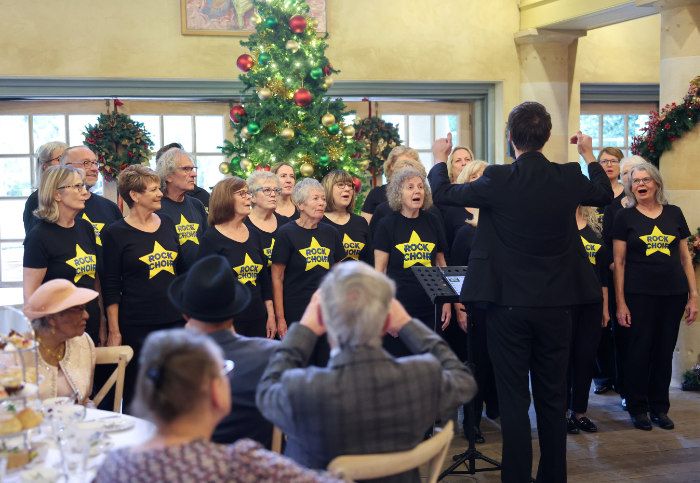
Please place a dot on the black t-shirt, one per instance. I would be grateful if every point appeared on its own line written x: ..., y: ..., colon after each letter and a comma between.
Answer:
x: 307, y: 255
x: 139, y: 266
x: 250, y: 265
x: 375, y: 197
x: 597, y: 253
x: 410, y: 242
x: 267, y: 239
x: 28, y: 217
x: 355, y: 237
x: 462, y: 245
x: 454, y: 218
x: 190, y: 221
x: 609, y: 213
x: 201, y: 194
x: 100, y: 212
x: 653, y: 262
x: 67, y: 253
x: 384, y: 209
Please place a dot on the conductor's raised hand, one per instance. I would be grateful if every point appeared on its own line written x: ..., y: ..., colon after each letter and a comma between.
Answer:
x: 584, y: 145
x: 312, y: 316
x: 397, y: 318
x: 442, y: 148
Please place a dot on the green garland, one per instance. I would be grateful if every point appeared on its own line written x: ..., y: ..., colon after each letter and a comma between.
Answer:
x: 664, y: 127
x: 118, y: 141
x: 379, y: 137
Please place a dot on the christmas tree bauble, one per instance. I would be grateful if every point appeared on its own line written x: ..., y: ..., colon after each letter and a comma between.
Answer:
x: 323, y: 160
x: 287, y: 133
x: 270, y: 22
x: 264, y: 93
x: 328, y: 119
x: 306, y: 170
x: 245, y: 134
x: 363, y: 165
x: 327, y: 83
x: 328, y: 69
x: 224, y: 168
x: 236, y: 113
x: 245, y: 164
x: 264, y: 58
x: 297, y: 24
x: 316, y: 73
x: 256, y: 18
x: 348, y: 131
x: 245, y: 62
x: 333, y: 129
x: 253, y: 128
x: 292, y: 46
x: 357, y: 184
x: 302, y: 97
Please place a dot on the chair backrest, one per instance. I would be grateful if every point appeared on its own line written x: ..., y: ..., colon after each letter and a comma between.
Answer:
x: 277, y: 436
x: 119, y: 355
x: 431, y: 451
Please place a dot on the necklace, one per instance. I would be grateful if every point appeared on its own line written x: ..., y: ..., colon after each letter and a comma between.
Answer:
x: 53, y: 355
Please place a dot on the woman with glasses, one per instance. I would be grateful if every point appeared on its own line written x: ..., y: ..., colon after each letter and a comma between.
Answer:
x: 340, y: 204
x: 229, y: 236
x: 654, y: 287
x: 47, y: 155
x: 142, y: 258
x: 184, y: 388
x: 287, y: 179
x: 61, y: 246
x: 265, y: 189
x: 178, y: 175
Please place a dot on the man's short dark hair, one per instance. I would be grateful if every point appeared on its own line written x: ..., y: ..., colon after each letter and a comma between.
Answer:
x: 167, y: 147
x: 529, y: 125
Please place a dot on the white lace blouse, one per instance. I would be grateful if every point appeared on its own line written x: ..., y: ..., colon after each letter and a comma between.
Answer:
x: 74, y: 372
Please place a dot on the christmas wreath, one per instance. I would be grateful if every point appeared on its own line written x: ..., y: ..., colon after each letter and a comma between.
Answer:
x: 118, y: 141
x: 379, y: 137
x: 666, y: 126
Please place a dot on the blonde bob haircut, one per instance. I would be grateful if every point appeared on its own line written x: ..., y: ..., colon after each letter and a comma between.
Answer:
x: 135, y: 178
x: 395, y: 188
x: 449, y: 160
x: 590, y: 214
x: 654, y: 174
x: 221, y: 203
x: 53, y: 178
x: 330, y: 180
x: 470, y: 169
x: 388, y: 165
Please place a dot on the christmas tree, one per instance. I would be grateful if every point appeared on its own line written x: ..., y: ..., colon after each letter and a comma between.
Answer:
x: 289, y: 118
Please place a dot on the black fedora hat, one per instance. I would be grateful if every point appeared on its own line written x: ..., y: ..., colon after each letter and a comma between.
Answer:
x: 209, y: 291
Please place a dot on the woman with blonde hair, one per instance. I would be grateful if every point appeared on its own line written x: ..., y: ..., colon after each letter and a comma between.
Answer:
x: 458, y: 159
x: 61, y: 245
x: 47, y: 155
x: 454, y: 217
x: 340, y: 204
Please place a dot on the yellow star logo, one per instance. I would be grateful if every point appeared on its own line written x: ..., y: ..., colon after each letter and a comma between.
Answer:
x: 187, y: 231
x: 248, y: 271
x: 95, y: 226
x: 159, y: 260
x: 416, y: 251
x: 657, y: 242
x: 316, y: 255
x: 85, y: 264
x: 591, y: 249
x: 352, y: 248
x: 268, y: 252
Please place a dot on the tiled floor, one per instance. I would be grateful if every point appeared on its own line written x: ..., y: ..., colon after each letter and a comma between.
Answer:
x: 618, y: 452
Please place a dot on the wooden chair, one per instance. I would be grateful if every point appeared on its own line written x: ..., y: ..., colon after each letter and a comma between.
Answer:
x: 277, y: 435
x: 431, y: 451
x: 119, y: 355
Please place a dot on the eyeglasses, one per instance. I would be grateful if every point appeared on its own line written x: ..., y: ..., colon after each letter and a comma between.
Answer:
x: 188, y: 169
x: 243, y: 193
x: 269, y: 191
x: 86, y: 163
x: 77, y: 308
x: 343, y: 184
x: 76, y: 187
x: 227, y: 367
x: 609, y: 161
x: 643, y: 181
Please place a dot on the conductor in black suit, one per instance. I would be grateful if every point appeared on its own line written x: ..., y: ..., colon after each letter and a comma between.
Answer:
x: 528, y: 267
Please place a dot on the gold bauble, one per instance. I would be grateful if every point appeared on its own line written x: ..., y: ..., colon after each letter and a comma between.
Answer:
x: 224, y: 168
x: 245, y: 134
x: 306, y: 170
x: 328, y: 119
x: 256, y: 18
x: 292, y: 46
x: 246, y: 164
x: 327, y: 83
x: 348, y: 131
x: 363, y: 165
x: 287, y: 133
x: 264, y: 93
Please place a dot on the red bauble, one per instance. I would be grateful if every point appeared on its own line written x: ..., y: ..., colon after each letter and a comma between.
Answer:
x: 245, y: 62
x: 357, y: 184
x: 236, y: 113
x: 297, y: 24
x: 302, y: 97
x: 327, y: 69
x: 262, y: 168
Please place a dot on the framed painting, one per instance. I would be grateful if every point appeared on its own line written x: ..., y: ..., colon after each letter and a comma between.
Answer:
x: 231, y: 17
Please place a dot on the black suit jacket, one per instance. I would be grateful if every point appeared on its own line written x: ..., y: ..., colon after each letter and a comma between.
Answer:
x: 527, y: 251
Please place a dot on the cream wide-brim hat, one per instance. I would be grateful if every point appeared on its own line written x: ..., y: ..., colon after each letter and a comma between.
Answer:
x: 55, y: 296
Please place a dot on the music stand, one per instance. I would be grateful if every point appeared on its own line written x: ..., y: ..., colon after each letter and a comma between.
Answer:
x: 442, y: 285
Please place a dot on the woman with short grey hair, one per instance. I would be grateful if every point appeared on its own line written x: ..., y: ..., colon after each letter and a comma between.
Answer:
x: 654, y: 287
x: 410, y: 237
x: 304, y: 251
x: 265, y: 189
x: 47, y: 155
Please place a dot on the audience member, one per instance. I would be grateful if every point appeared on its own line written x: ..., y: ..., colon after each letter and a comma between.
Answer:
x: 287, y: 180
x: 58, y: 313
x: 183, y: 387
x: 364, y: 401
x: 47, y: 155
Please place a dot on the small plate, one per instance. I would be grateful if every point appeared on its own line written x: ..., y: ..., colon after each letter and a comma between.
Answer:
x: 108, y: 424
x: 40, y: 474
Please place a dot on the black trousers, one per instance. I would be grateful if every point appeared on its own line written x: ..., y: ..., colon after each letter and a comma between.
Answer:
x: 487, y: 395
x: 532, y: 341
x: 652, y: 339
x: 585, y: 335
x: 620, y: 341
x: 604, y: 371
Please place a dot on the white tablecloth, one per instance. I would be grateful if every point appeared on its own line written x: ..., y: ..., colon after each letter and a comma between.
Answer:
x: 140, y: 432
